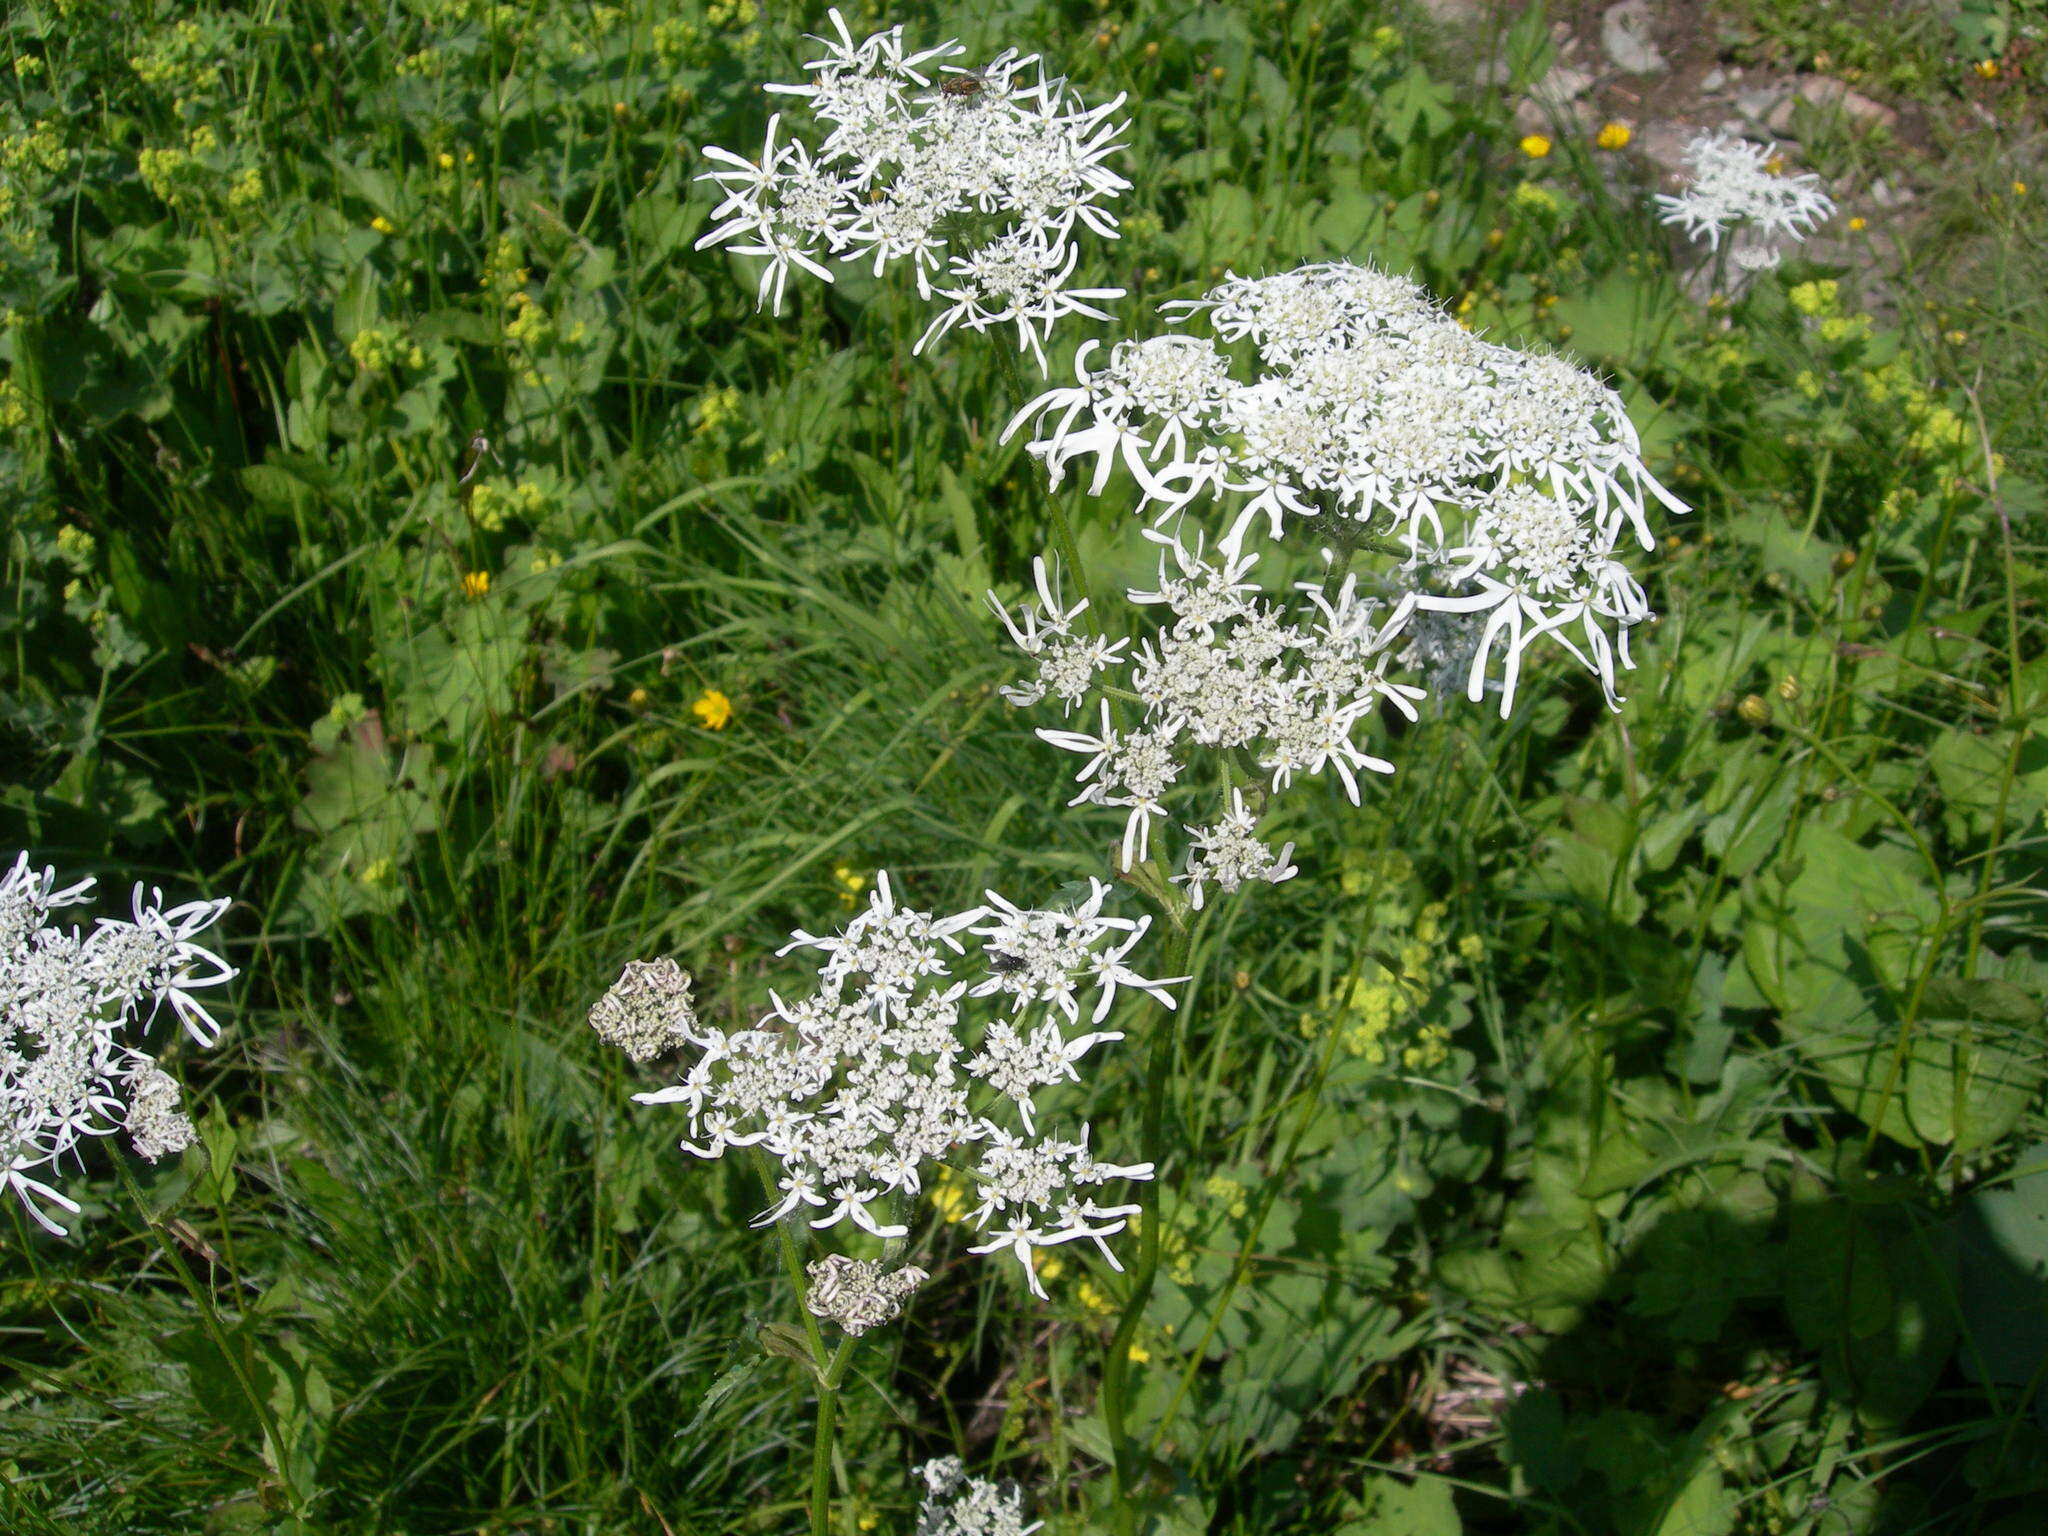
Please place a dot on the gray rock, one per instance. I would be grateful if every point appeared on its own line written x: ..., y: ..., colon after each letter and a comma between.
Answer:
x: 1627, y: 33
x: 1561, y: 87
x: 1830, y: 97
x: 1663, y: 145
x: 1759, y: 102
x: 1714, y: 79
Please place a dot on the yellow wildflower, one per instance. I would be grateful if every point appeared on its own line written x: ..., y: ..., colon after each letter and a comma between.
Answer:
x: 2019, y: 189
x: 476, y: 584
x: 850, y: 884
x: 1613, y: 136
x: 1535, y: 146
x: 1987, y: 69
x: 713, y: 708
x: 1858, y: 224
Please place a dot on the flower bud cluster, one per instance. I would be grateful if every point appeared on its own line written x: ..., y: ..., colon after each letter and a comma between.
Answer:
x: 907, y: 168
x: 859, y: 1294
x: 883, y: 1070
x: 1734, y: 185
x: 958, y: 1505
x: 1231, y: 674
x: 67, y: 1002
x: 1503, y: 481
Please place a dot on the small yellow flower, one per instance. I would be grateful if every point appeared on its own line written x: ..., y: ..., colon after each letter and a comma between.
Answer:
x: 850, y: 883
x: 713, y: 708
x: 1858, y: 224
x: 1051, y: 1267
x: 1613, y: 136
x: 2019, y: 189
x: 1139, y: 1354
x: 1987, y: 69
x: 445, y: 160
x: 949, y: 1196
x: 1754, y: 710
x: 378, y: 872
x: 637, y: 699
x: 383, y: 226
x: 1535, y: 146
x: 476, y: 584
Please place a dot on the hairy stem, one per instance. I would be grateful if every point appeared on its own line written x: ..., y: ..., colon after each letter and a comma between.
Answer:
x: 1116, y: 1368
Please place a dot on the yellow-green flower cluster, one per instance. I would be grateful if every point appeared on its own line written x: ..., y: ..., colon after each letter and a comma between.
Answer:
x: 714, y: 408
x: 13, y: 406
x: 494, y: 502
x: 179, y: 63
x: 374, y: 350
x: 29, y: 158
x: 1367, y: 1012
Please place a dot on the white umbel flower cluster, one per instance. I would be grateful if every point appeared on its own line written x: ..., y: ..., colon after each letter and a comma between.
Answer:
x: 980, y: 178
x: 1503, y: 481
x: 68, y: 1002
x: 1733, y: 187
x: 958, y: 1505
x: 1231, y: 675
x: 881, y: 1072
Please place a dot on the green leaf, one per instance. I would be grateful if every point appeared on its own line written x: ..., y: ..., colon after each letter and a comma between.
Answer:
x: 1387, y: 1506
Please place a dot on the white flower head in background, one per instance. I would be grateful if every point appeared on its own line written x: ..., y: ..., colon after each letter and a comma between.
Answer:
x: 1735, y: 186
x: 958, y: 1505
x: 69, y: 1002
x: 890, y: 1067
x: 1502, y: 482
x: 980, y: 178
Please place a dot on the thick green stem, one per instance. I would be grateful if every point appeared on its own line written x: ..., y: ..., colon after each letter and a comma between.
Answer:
x: 237, y: 1364
x: 1116, y: 1368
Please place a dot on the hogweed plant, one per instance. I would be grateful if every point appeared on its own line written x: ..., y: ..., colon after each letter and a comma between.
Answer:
x: 1460, y: 501
x: 979, y: 178
x: 74, y: 1003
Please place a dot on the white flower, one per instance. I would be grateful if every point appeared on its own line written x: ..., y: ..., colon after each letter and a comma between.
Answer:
x: 958, y: 1505
x: 1732, y: 184
x: 1229, y: 852
x: 1232, y: 675
x: 857, y: 1088
x: 1377, y: 419
x: 67, y: 1002
x: 1011, y: 168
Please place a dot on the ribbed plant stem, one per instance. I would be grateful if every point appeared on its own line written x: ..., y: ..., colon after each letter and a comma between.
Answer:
x: 1116, y: 1369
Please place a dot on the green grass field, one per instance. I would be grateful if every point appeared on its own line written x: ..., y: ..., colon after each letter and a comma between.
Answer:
x: 1627, y: 1122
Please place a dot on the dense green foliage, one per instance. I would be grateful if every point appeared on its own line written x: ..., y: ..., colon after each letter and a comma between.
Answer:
x: 386, y: 478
